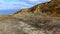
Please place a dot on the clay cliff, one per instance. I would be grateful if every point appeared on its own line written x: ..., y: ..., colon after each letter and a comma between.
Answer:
x: 51, y: 8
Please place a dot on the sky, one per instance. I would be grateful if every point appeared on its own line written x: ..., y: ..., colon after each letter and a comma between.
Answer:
x: 11, y: 6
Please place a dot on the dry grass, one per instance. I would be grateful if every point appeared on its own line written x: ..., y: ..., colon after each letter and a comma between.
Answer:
x: 29, y: 25
x: 44, y: 25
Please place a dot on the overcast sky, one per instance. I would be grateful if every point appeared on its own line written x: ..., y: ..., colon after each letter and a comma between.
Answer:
x: 18, y: 4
